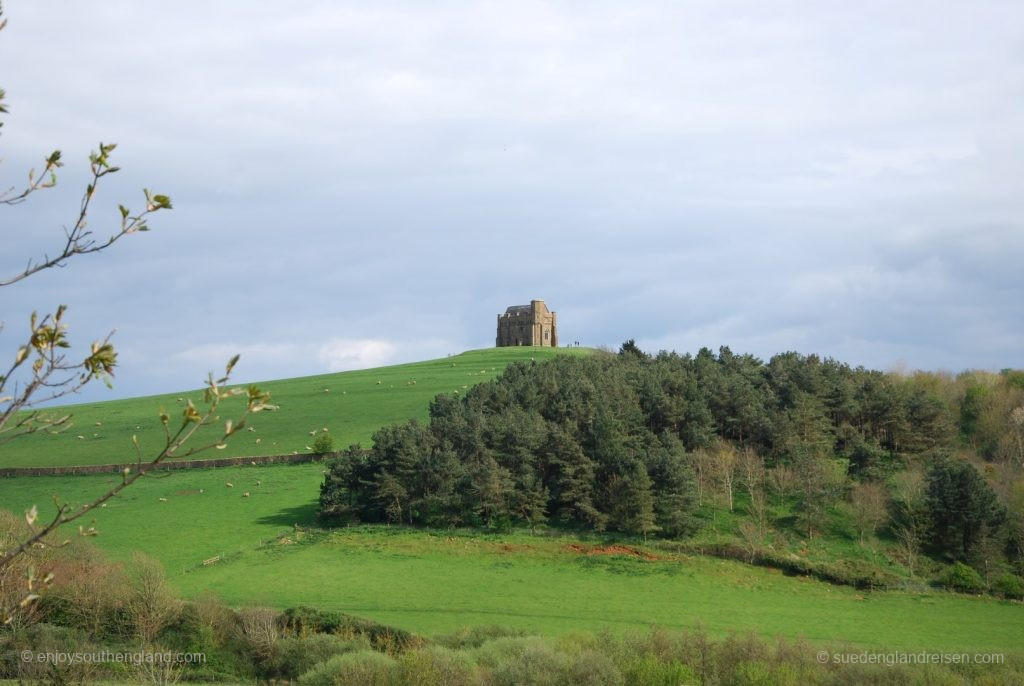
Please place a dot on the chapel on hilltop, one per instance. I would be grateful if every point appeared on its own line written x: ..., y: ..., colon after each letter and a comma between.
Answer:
x: 532, y: 324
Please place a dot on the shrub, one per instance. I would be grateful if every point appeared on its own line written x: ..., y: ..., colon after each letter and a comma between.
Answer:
x: 366, y: 668
x: 257, y: 630
x: 1009, y: 586
x: 295, y: 656
x: 767, y: 674
x: 528, y: 660
x: 149, y: 603
x: 476, y: 636
x: 592, y: 668
x: 962, y: 578
x: 323, y: 444
x: 651, y: 671
x: 50, y: 639
x: 438, y: 666
x: 301, y: 621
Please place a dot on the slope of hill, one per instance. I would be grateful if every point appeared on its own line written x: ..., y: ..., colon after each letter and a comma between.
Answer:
x: 350, y: 405
x: 265, y: 550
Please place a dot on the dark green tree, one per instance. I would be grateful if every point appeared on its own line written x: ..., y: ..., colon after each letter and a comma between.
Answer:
x: 962, y: 510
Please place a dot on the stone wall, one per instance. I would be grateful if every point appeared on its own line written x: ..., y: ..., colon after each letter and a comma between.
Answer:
x: 74, y: 470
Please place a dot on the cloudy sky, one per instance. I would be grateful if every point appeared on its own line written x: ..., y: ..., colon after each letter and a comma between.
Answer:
x: 357, y: 184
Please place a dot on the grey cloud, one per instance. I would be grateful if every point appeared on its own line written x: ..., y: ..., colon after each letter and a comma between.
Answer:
x: 766, y: 175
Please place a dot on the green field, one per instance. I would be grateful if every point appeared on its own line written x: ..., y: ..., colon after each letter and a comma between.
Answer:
x: 352, y: 405
x: 437, y: 581
x: 269, y: 552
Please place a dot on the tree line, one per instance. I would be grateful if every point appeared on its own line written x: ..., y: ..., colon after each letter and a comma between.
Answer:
x: 637, y: 443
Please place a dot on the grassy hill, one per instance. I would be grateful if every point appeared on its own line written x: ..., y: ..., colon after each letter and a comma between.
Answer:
x: 437, y: 581
x: 269, y: 552
x: 351, y: 405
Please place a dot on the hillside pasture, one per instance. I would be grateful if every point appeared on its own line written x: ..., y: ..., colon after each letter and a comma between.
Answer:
x: 350, y: 405
x: 264, y: 549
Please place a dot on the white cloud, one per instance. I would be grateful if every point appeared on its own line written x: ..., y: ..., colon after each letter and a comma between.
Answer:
x: 342, y: 354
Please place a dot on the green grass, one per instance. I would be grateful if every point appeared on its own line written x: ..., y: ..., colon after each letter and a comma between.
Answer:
x: 433, y: 582
x: 353, y: 406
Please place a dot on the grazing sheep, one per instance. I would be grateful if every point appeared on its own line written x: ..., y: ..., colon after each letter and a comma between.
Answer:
x: 202, y: 490
x: 324, y: 429
x: 99, y: 423
x: 327, y: 390
x: 312, y: 433
x: 258, y: 441
x: 81, y: 438
x: 253, y: 463
x: 163, y: 500
x: 379, y: 382
x: 103, y: 504
x: 258, y: 482
x: 252, y: 428
x: 246, y: 494
x: 229, y: 484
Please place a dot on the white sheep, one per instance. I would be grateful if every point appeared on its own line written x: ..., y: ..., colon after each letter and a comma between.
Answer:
x: 229, y: 484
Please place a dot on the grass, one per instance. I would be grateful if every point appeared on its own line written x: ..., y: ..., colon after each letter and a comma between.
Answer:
x: 433, y: 582
x: 352, y: 405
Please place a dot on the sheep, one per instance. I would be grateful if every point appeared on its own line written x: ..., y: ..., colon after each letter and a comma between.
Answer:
x: 81, y: 438
x: 229, y: 484
x: 246, y: 494
x: 99, y: 423
x: 258, y: 482
x: 258, y: 441
x: 379, y: 382
x: 163, y: 500
x: 327, y: 390
x: 202, y: 490
x: 324, y: 429
x: 312, y: 433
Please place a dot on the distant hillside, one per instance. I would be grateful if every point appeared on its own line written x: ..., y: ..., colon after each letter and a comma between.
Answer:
x: 351, y: 405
